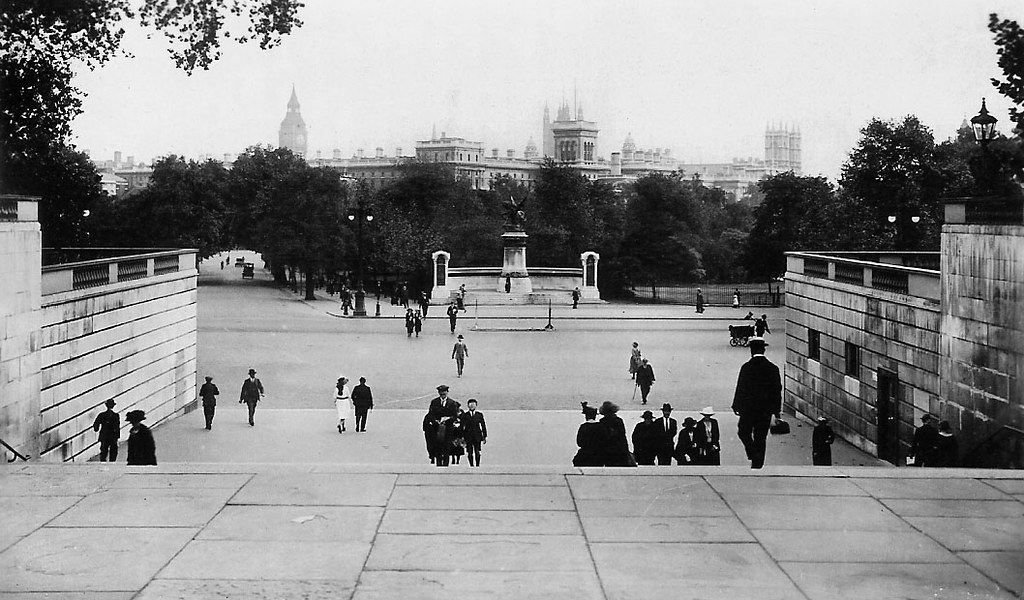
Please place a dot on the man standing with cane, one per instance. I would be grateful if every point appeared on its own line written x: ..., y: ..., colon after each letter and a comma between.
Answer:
x: 758, y: 397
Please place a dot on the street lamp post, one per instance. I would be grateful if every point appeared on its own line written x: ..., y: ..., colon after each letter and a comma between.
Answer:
x: 359, y: 214
x: 900, y: 223
x: 983, y: 167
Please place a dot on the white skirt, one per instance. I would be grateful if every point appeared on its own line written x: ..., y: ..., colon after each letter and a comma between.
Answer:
x: 344, y: 407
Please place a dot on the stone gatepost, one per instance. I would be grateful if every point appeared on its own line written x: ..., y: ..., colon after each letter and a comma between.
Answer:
x: 20, y: 324
x: 442, y: 290
x: 513, y: 268
x: 588, y: 289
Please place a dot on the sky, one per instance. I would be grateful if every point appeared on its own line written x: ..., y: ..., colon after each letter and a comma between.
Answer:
x: 702, y: 78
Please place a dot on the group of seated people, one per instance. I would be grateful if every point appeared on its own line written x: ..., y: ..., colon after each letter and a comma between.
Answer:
x: 603, y: 443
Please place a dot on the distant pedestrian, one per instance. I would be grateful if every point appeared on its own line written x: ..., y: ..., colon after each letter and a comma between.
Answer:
x: 410, y: 322
x: 108, y: 424
x: 141, y: 446
x: 461, y: 297
x: 761, y: 326
x: 617, y: 452
x: 403, y: 295
x: 665, y: 430
x: 700, y: 301
x: 362, y: 401
x: 417, y: 323
x: 925, y: 439
x: 644, y: 439
x: 209, y: 392
x: 758, y: 397
x: 453, y: 315
x: 474, y: 431
x: 575, y: 297
x: 736, y: 298
x: 634, y: 360
x: 424, y: 304
x: 821, y: 443
x: 707, y: 438
x: 686, y: 445
x: 644, y: 379
x: 342, y: 402
x: 591, y: 438
x: 252, y: 393
x: 221, y: 265
x: 460, y: 352
x: 947, y: 452
x: 508, y: 284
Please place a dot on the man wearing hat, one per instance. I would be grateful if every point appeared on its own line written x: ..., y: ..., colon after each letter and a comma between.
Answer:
x: 208, y: 392
x: 686, y: 446
x: 108, y: 424
x: 758, y: 397
x: 645, y: 439
x: 141, y: 447
x: 644, y: 379
x: 362, y: 401
x: 821, y: 443
x: 252, y: 391
x: 707, y: 439
x: 459, y: 352
x: 665, y: 431
x: 443, y: 410
x: 926, y: 437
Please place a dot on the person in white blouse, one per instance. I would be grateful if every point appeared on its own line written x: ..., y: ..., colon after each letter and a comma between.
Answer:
x: 342, y: 402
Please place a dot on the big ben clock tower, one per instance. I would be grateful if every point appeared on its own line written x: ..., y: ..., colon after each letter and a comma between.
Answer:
x: 293, y: 129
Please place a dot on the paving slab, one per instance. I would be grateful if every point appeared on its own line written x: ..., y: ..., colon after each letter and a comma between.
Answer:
x: 256, y: 589
x: 954, y: 508
x: 874, y: 581
x: 483, y: 478
x: 128, y: 507
x: 934, y: 488
x: 481, y: 498
x: 822, y: 513
x: 701, y: 504
x: 853, y: 546
x: 398, y: 552
x: 89, y: 559
x: 445, y: 585
x: 295, y: 523
x: 181, y: 480
x: 481, y: 522
x: 1007, y: 568
x: 24, y: 514
x: 67, y: 595
x: 632, y: 487
x: 815, y: 486
x: 350, y: 489
x: 266, y: 559
x: 964, y: 533
x: 35, y: 481
x: 665, y: 529
x: 1010, y: 486
x: 704, y: 571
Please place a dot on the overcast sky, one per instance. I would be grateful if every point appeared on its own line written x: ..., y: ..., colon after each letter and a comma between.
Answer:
x: 701, y: 78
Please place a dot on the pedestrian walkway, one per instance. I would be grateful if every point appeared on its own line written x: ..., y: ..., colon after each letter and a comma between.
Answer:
x: 317, y: 531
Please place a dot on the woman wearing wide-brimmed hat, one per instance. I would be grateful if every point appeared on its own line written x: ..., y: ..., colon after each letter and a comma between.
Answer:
x: 141, y: 446
x: 342, y: 402
x: 707, y: 439
x: 617, y: 452
x: 592, y: 437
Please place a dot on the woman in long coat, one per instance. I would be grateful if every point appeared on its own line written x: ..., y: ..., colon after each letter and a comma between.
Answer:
x: 141, y: 447
x: 634, y: 361
x: 591, y: 439
x: 617, y: 449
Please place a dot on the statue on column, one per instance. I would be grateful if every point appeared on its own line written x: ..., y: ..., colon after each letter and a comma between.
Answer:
x: 514, y: 215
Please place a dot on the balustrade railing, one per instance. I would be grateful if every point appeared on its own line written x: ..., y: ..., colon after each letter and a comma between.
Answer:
x: 884, y: 271
x: 105, y: 271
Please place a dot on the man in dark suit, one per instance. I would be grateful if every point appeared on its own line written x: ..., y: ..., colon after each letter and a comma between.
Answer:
x: 665, y: 435
x: 758, y: 397
x: 644, y: 440
x: 209, y: 392
x: 443, y: 410
x: 362, y: 401
x: 706, y: 438
x: 252, y: 391
x: 108, y: 424
x: 644, y: 379
x: 474, y: 432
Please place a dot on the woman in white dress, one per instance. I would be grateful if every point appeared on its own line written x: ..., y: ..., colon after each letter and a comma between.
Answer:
x: 342, y: 402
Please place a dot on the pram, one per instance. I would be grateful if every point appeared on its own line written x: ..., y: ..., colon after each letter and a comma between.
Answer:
x: 739, y: 335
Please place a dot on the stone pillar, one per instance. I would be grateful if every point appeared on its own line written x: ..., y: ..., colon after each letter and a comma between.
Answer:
x: 588, y: 289
x: 513, y: 268
x: 442, y: 290
x: 20, y: 324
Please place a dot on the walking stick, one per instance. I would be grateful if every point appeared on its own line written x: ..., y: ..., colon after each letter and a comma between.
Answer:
x: 636, y: 385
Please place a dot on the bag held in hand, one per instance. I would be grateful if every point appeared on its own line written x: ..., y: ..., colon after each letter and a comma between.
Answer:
x: 779, y: 427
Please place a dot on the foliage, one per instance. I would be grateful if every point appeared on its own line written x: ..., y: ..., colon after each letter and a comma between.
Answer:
x: 662, y: 226
x: 1009, y: 39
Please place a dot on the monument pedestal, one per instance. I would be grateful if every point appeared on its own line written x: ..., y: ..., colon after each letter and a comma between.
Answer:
x: 513, y: 268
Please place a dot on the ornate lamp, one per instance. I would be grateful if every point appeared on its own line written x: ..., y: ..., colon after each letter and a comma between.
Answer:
x: 984, y: 125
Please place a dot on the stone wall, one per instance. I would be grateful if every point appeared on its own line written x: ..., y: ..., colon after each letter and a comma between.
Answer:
x: 132, y: 341
x: 20, y: 318
x: 983, y: 330
x: 895, y: 332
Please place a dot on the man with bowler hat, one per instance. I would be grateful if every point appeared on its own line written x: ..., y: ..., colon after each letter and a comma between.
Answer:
x: 645, y: 445
x: 208, y: 392
x: 108, y: 424
x: 644, y: 379
x: 362, y: 400
x: 252, y: 392
x: 665, y: 435
x: 758, y: 397
x: 460, y: 351
x: 443, y: 410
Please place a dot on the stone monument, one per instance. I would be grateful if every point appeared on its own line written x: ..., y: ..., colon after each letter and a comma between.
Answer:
x: 515, y: 279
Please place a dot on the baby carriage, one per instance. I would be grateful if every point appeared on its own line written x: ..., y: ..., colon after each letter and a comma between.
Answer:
x: 739, y: 335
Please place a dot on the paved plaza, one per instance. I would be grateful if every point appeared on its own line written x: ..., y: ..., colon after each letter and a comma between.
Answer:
x: 92, y: 531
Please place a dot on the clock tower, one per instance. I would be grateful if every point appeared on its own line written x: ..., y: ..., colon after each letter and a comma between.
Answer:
x: 293, y: 129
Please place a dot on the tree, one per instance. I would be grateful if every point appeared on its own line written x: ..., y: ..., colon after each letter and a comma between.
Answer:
x: 660, y: 241
x: 1009, y: 38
